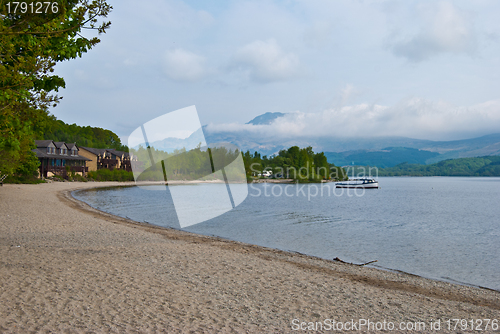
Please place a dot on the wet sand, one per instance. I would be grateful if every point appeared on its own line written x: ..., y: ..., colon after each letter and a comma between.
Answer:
x: 65, y: 267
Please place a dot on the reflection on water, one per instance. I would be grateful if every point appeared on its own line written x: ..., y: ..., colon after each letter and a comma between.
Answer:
x: 442, y: 228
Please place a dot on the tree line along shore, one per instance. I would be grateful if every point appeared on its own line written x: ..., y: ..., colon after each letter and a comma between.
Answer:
x: 295, y: 163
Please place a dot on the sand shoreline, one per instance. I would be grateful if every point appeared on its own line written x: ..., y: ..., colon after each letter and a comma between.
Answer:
x: 68, y: 267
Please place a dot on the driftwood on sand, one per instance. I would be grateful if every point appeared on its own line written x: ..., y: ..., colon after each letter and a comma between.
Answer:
x: 354, y: 264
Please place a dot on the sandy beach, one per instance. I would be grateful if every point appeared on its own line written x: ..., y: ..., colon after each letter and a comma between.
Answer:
x: 68, y: 268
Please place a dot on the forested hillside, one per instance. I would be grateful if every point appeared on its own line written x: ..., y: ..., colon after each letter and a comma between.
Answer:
x: 482, y: 166
x: 386, y: 157
x: 88, y: 136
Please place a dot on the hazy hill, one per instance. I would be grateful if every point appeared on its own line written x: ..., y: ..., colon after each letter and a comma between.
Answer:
x: 379, y: 151
x: 481, y: 166
x: 387, y: 157
x: 170, y: 144
x: 266, y: 118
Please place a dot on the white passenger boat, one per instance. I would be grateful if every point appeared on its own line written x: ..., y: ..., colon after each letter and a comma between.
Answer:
x: 366, y: 183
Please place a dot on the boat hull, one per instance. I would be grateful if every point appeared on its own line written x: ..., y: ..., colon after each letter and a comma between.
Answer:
x: 357, y: 186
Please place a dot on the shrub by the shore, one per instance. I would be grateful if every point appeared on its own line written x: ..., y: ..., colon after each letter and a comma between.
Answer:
x: 110, y: 175
x: 18, y: 179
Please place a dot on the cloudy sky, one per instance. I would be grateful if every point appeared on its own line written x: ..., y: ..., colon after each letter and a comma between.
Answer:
x: 421, y: 69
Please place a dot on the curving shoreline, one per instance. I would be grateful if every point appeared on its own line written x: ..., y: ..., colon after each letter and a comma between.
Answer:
x: 77, y: 268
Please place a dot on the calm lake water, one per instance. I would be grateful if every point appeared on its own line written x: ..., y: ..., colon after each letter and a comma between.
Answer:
x: 437, y: 227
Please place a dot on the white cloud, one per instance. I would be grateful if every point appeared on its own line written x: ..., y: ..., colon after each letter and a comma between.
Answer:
x: 347, y: 93
x: 414, y: 118
x: 182, y: 65
x: 445, y: 28
x: 265, y: 61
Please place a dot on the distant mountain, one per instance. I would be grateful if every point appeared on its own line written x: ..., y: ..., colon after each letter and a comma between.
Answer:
x: 479, y: 166
x: 473, y: 144
x: 387, y: 157
x: 378, y: 151
x: 382, y: 152
x: 264, y: 145
x: 170, y: 144
x: 266, y: 118
x: 465, y: 148
x: 487, y: 145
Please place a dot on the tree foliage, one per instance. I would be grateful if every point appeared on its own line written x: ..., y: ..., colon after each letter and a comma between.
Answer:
x: 110, y: 175
x: 30, y: 45
x: 481, y: 166
x: 302, y: 165
x: 386, y: 157
x: 182, y: 164
x: 87, y: 136
x: 297, y: 163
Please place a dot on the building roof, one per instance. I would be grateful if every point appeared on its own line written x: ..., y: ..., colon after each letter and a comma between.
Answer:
x: 88, y: 149
x: 104, y: 151
x: 60, y: 144
x: 43, y: 143
x: 96, y: 151
x: 41, y: 152
x: 71, y: 146
x: 118, y: 153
